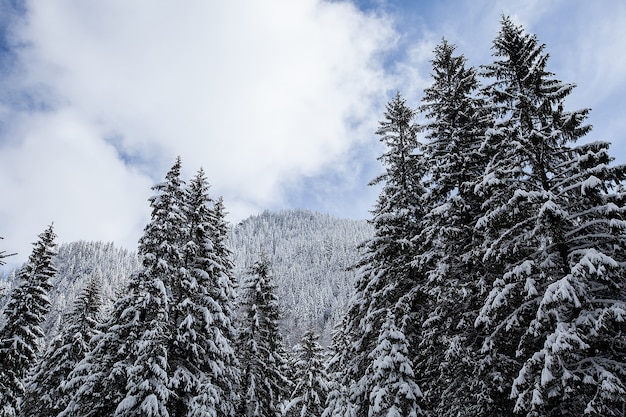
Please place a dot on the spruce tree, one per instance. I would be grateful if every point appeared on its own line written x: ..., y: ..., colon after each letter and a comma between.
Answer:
x: 220, y: 230
x: 160, y: 284
x: 127, y: 372
x: 337, y: 402
x: 264, y: 385
x: 46, y: 395
x: 97, y: 384
x: 308, y: 398
x: 386, y: 278
x: 573, y: 348
x: 24, y: 313
x: 554, y: 237
x: 167, y: 348
x: 456, y: 119
x: 202, y: 359
x: 394, y: 391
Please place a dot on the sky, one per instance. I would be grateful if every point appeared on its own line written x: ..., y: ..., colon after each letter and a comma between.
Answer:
x: 277, y: 100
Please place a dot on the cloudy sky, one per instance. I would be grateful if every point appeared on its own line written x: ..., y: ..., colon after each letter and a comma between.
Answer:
x: 277, y: 100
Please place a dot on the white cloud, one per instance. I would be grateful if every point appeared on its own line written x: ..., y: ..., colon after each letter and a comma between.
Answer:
x: 62, y: 172
x: 258, y: 93
x: 277, y: 100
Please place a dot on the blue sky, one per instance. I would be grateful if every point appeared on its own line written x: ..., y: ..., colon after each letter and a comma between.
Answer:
x: 276, y: 100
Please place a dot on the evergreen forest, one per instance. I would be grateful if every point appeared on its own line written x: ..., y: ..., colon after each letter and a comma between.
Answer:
x: 489, y: 281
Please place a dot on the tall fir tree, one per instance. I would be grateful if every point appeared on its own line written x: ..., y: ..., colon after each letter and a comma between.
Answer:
x: 24, y: 313
x: 455, y: 121
x: 386, y: 279
x: 160, y: 282
x: 203, y: 362
x: 46, y: 395
x: 97, y: 384
x: 308, y: 398
x: 126, y: 374
x: 337, y: 401
x: 220, y: 230
x: 264, y: 384
x: 554, y: 234
x: 168, y: 347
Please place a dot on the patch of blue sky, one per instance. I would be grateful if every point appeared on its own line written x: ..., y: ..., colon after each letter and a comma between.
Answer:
x: 10, y: 12
x: 341, y: 190
x: 116, y: 140
x: 582, y: 39
x: 147, y: 160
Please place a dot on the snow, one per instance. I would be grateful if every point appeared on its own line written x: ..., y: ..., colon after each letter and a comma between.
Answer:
x: 529, y: 287
x: 592, y: 183
x: 594, y: 262
x: 537, y: 398
x: 152, y: 407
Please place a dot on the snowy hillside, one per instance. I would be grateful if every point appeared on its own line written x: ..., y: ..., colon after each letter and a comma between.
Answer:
x: 76, y: 262
x: 309, y: 254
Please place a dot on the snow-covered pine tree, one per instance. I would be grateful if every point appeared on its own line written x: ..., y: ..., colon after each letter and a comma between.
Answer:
x: 264, y: 385
x: 574, y: 348
x: 147, y: 391
x: 160, y: 285
x: 308, y: 398
x: 24, y: 313
x: 554, y: 228
x: 202, y: 361
x: 5, y: 284
x: 394, y: 391
x: 45, y: 389
x: 98, y: 382
x: 337, y: 404
x: 220, y: 231
x: 127, y: 372
x: 386, y: 278
x: 456, y: 120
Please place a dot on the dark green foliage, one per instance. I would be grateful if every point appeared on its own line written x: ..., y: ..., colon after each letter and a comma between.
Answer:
x: 386, y: 279
x: 25, y: 312
x: 264, y: 384
x: 456, y: 120
x: 554, y: 235
x: 309, y: 395
x: 45, y: 391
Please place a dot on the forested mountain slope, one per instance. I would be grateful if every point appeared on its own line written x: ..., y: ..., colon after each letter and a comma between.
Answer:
x: 309, y: 254
x: 76, y: 263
